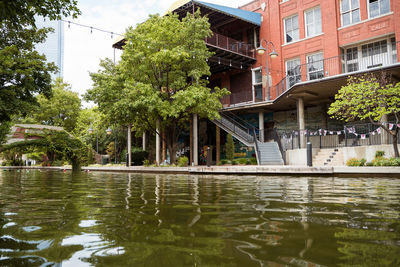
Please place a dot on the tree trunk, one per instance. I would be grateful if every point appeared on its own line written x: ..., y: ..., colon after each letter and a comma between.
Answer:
x: 395, y: 147
x: 171, y: 136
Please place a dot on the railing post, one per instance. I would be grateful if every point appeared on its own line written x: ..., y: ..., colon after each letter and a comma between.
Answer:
x: 292, y: 140
x: 320, y: 140
x: 299, y: 135
x: 345, y: 136
x: 369, y: 136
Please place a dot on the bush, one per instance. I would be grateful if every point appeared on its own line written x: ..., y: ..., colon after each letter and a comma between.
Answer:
x: 253, y: 161
x: 230, y: 147
x: 381, y: 161
x: 224, y: 161
x: 219, y: 163
x: 356, y: 162
x: 183, y: 161
x: 57, y: 163
x: 369, y: 164
x: 234, y: 162
x: 243, y: 161
x: 138, y: 156
x: 146, y: 163
x: 379, y: 154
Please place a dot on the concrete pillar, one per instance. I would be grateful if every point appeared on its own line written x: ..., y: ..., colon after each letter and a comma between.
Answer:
x: 301, y: 121
x: 158, y: 143
x: 218, y: 144
x: 195, y: 140
x: 164, y: 148
x: 191, y: 142
x: 384, y: 134
x: 324, y: 119
x: 261, y: 125
x: 129, y: 159
x: 144, y: 141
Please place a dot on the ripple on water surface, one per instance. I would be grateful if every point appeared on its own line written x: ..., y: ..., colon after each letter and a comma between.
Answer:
x: 96, y: 219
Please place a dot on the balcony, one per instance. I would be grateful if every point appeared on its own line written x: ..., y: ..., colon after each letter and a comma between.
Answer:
x: 229, y: 53
x: 368, y: 59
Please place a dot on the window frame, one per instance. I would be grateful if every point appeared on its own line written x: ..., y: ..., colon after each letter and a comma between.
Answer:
x: 318, y: 70
x: 351, y: 10
x: 379, y: 7
x: 254, y: 83
x: 314, y: 21
x: 284, y: 28
x: 288, y: 84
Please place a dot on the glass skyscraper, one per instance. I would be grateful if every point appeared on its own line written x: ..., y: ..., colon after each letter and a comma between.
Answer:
x: 53, y: 47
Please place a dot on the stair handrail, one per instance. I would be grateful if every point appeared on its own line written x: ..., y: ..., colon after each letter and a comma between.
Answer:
x: 256, y: 147
x: 231, y: 118
x: 278, y: 140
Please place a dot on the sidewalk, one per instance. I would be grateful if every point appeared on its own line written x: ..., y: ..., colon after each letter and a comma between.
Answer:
x: 240, y: 170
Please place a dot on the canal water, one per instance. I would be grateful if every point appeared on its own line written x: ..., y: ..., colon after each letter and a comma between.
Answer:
x: 108, y: 219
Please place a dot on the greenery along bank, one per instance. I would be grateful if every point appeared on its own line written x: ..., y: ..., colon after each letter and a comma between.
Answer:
x: 55, y: 144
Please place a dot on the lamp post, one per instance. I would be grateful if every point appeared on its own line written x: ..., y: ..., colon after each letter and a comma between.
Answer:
x: 90, y: 130
x: 109, y: 132
x: 261, y: 50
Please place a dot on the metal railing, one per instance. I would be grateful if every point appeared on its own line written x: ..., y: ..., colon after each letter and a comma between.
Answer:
x: 362, y: 134
x: 345, y: 63
x: 241, y: 97
x: 238, y: 126
x: 227, y: 43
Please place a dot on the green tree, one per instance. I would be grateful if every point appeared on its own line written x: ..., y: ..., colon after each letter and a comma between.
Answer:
x: 24, y: 73
x: 369, y: 97
x: 161, y: 76
x: 230, y: 147
x: 61, y: 109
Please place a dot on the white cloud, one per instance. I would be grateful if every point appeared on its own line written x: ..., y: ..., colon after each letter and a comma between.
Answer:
x: 83, y: 50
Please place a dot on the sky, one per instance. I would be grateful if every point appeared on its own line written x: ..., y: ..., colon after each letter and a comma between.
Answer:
x: 83, y: 50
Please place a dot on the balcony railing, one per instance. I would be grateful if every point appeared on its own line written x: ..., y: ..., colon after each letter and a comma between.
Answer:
x: 333, y: 66
x: 232, y: 45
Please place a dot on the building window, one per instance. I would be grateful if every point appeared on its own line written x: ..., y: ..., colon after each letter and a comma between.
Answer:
x: 257, y: 84
x: 352, y: 59
x: 378, y: 7
x: 313, y: 21
x: 291, y: 29
x: 293, y: 72
x: 315, y: 66
x: 394, y: 50
x: 350, y: 11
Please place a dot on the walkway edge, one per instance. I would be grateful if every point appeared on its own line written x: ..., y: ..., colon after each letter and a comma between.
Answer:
x: 233, y: 170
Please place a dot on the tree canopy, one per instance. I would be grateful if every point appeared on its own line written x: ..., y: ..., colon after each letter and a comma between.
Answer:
x: 24, y: 73
x: 161, y: 76
x: 369, y: 97
x: 61, y: 109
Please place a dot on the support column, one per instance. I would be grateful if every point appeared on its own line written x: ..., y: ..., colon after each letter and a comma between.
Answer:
x: 158, y: 143
x: 144, y: 141
x: 261, y: 125
x: 218, y: 144
x: 384, y: 134
x: 195, y: 141
x: 301, y: 121
x: 164, y: 148
x: 324, y: 121
x: 129, y: 159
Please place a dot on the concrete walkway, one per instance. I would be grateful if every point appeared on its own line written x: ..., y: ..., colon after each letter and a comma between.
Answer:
x: 241, y: 170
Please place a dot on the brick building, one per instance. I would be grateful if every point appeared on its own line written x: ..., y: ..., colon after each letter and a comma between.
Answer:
x: 312, y: 46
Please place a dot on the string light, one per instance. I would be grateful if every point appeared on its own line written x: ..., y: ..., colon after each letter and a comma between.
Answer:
x: 91, y: 28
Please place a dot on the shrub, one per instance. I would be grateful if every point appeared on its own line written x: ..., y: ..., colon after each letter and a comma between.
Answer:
x: 224, y: 161
x: 369, y: 164
x: 356, y: 162
x: 146, y: 163
x: 381, y: 161
x: 183, y: 161
x: 219, y: 163
x: 243, y: 161
x: 234, y: 162
x: 230, y: 147
x: 57, y: 163
x: 138, y: 156
x: 379, y: 154
x: 253, y: 161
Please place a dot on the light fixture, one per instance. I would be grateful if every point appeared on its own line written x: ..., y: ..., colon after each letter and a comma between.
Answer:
x: 90, y: 130
x: 261, y: 50
x: 273, y: 54
x: 108, y: 131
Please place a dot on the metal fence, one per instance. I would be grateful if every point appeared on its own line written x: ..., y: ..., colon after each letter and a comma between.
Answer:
x: 230, y: 44
x: 341, y: 136
x: 350, y: 62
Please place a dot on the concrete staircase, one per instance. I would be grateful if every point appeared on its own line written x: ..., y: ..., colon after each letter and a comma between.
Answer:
x: 270, y: 153
x: 329, y: 157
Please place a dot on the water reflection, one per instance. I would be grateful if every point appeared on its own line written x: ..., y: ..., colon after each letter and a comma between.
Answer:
x: 165, y: 220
